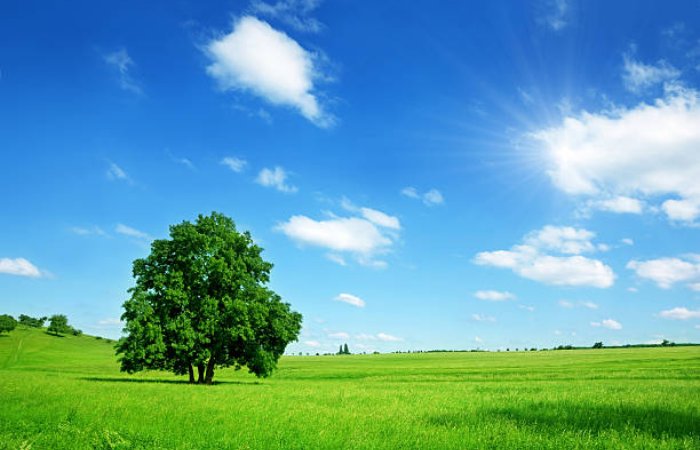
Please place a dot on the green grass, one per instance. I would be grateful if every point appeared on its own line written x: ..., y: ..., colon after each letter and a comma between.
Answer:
x: 67, y: 393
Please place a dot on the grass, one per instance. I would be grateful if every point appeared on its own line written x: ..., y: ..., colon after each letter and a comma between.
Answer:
x: 67, y: 393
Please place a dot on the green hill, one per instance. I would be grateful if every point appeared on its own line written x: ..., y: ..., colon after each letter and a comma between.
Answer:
x: 68, y: 393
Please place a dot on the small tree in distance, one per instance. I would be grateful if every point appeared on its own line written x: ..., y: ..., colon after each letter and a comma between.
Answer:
x: 7, y: 323
x: 598, y: 345
x: 58, y: 324
x: 201, y: 301
x: 346, y: 351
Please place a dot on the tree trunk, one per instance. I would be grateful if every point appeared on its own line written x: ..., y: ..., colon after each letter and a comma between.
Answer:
x: 210, y: 371
x: 200, y: 369
x: 191, y: 372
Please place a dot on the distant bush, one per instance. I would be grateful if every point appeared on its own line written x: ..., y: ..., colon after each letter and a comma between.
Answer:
x: 29, y: 321
x: 598, y: 345
x: 7, y: 323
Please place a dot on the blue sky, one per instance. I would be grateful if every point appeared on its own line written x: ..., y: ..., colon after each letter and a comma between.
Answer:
x: 423, y: 175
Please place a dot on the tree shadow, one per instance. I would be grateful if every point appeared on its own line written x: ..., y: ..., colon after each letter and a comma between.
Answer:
x: 559, y: 417
x: 162, y: 381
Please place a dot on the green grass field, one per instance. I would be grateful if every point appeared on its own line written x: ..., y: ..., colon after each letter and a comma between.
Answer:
x: 68, y: 393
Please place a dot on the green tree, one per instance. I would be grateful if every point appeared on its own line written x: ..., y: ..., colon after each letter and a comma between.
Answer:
x: 346, y: 351
x: 31, y: 321
x: 58, y: 324
x: 598, y: 345
x: 7, y: 323
x: 201, y: 301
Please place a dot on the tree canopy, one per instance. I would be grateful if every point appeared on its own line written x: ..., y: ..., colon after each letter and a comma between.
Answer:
x: 201, y: 301
x: 7, y: 323
x: 58, y: 324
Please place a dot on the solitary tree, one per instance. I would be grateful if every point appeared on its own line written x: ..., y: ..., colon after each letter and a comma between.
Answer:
x: 7, y: 323
x: 346, y: 351
x: 58, y: 324
x: 598, y: 345
x: 201, y: 301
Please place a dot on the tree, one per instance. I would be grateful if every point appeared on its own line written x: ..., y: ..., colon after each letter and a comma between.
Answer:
x: 58, y: 324
x: 598, y: 345
x: 346, y: 351
x: 201, y: 301
x: 7, y: 323
x: 31, y: 321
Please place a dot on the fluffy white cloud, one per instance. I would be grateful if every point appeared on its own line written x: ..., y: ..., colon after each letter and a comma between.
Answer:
x: 680, y: 313
x: 257, y: 58
x: 666, y: 272
x: 608, y: 323
x: 275, y: 178
x: 388, y: 337
x: 121, y: 62
x: 649, y: 150
x: 131, y: 232
x: 627, y: 241
x: 530, y: 260
x: 20, y: 267
x: 567, y: 240
x: 494, y: 296
x: 235, y: 164
x: 431, y: 197
x: 638, y: 76
x: 350, y: 300
x: 364, y: 237
x: 619, y: 204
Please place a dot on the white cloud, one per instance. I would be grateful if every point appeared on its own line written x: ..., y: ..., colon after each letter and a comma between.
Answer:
x: 555, y: 14
x: 627, y: 241
x: 666, y: 272
x: 589, y: 305
x: 608, y: 323
x: 483, y: 318
x: 364, y: 237
x: 255, y: 57
x: 566, y: 304
x: 680, y: 313
x: 694, y: 286
x: 527, y: 308
x: 339, y: 335
x: 294, y: 13
x: 312, y: 343
x: 567, y: 240
x: 649, y: 150
x: 478, y: 340
x: 122, y: 63
x: 110, y: 322
x: 275, y: 178
x: 365, y: 337
x: 350, y: 300
x: 83, y: 231
x: 619, y: 205
x: 638, y: 76
x: 380, y: 218
x: 388, y: 337
x: 20, y: 267
x: 235, y: 164
x: 131, y: 232
x: 530, y: 261
x: 431, y: 197
x: 116, y: 173
x: 494, y: 296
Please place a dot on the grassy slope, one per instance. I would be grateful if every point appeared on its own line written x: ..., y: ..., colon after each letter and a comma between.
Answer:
x: 68, y: 393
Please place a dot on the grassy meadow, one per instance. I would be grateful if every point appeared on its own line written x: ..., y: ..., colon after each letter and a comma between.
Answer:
x: 67, y: 393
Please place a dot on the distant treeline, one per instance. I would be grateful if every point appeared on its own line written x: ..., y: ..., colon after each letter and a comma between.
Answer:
x: 58, y: 324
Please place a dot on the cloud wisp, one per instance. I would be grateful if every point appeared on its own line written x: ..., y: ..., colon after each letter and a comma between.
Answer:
x: 19, y: 267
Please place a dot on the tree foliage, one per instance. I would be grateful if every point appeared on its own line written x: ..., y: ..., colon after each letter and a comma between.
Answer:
x: 31, y: 321
x: 201, y: 301
x: 7, y: 323
x: 58, y: 324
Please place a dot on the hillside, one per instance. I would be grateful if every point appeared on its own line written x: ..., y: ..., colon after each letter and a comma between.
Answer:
x: 67, y: 393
